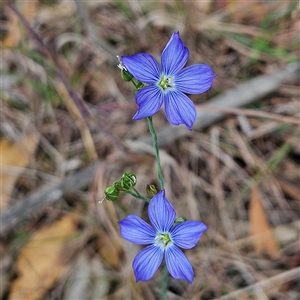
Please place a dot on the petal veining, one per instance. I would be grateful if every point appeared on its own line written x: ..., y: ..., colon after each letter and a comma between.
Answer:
x: 195, y: 79
x: 187, y: 234
x: 146, y: 263
x: 143, y: 67
x: 179, y: 109
x: 149, y: 99
x: 136, y: 230
x: 178, y: 264
x: 161, y: 212
x: 174, y: 56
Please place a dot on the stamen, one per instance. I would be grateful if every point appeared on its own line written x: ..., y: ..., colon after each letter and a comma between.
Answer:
x: 166, y: 82
x: 163, y: 240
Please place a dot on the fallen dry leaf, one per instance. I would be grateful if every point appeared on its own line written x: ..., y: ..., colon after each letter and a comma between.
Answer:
x: 260, y: 229
x: 14, y: 30
x: 13, y: 34
x: 40, y: 263
x: 29, y: 9
x: 109, y: 250
x: 14, y: 158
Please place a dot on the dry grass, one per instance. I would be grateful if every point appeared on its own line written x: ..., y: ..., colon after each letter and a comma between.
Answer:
x: 239, y: 176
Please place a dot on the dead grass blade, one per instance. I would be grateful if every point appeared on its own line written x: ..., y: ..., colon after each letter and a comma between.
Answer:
x: 81, y: 123
x: 252, y: 113
x: 289, y: 189
x: 265, y: 284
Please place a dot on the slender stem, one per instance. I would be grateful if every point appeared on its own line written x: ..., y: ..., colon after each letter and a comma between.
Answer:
x: 138, y: 85
x: 141, y: 196
x: 156, y: 150
x: 138, y: 195
x: 165, y: 282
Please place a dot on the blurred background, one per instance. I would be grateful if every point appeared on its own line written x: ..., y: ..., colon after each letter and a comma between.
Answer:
x: 67, y: 133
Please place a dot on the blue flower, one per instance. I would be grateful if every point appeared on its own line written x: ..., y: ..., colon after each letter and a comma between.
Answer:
x: 163, y: 240
x: 169, y: 83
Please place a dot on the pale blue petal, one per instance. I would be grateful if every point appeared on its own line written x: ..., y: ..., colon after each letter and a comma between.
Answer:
x: 149, y: 99
x: 195, y: 79
x: 143, y: 67
x: 146, y: 263
x: 174, y: 56
x: 187, y: 234
x: 161, y: 212
x: 178, y: 264
x: 179, y: 109
x: 136, y: 230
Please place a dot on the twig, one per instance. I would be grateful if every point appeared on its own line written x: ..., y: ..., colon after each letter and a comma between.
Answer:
x: 251, y: 113
x: 46, y: 195
x: 266, y: 284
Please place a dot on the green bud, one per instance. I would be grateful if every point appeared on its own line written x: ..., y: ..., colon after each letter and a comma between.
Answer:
x: 128, y: 180
x: 126, y: 76
x: 179, y: 220
x: 117, y: 185
x: 151, y: 190
x: 111, y: 193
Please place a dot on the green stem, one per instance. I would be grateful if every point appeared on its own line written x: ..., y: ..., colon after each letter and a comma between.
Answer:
x: 165, y: 282
x: 138, y: 195
x: 138, y: 85
x: 156, y: 150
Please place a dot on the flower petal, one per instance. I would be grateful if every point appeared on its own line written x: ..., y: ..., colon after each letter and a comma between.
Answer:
x: 187, y: 234
x: 178, y: 264
x: 161, y: 212
x: 149, y: 99
x: 136, y: 230
x: 146, y: 263
x: 179, y: 109
x: 195, y: 79
x: 143, y: 67
x: 174, y: 56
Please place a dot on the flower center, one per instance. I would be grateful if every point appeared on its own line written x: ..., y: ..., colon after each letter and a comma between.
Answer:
x: 166, y: 82
x: 163, y: 240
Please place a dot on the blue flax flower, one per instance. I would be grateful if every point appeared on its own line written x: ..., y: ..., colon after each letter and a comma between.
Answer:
x: 163, y: 239
x: 169, y: 83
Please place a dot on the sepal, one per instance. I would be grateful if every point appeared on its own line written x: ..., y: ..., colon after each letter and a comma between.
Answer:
x: 179, y: 220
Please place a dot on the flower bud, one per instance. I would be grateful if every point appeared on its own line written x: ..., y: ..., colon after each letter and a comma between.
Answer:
x: 111, y: 193
x: 128, y: 180
x: 151, y: 190
x: 117, y: 185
